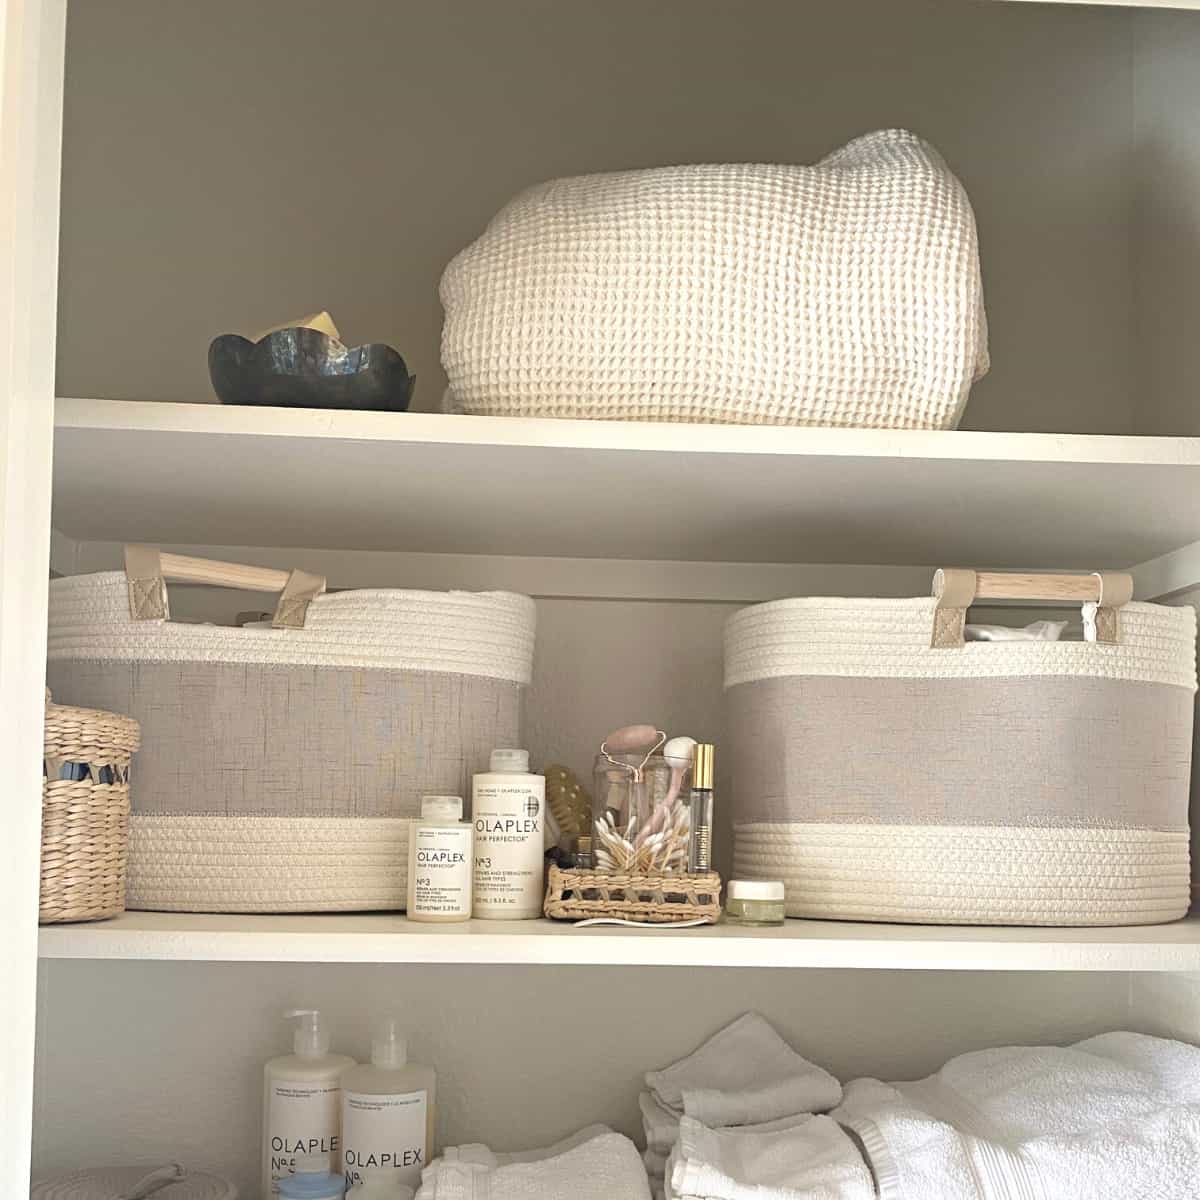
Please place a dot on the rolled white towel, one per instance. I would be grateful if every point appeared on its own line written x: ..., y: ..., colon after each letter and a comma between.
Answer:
x: 803, y: 1158
x: 744, y: 1075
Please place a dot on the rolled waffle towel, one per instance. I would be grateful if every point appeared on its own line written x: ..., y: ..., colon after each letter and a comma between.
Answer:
x: 803, y: 1158
x: 744, y: 1075
x: 843, y: 293
x: 1110, y: 1118
x: 596, y: 1164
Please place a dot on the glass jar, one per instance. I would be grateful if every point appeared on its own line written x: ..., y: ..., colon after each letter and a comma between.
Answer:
x: 754, y: 902
x: 639, y: 825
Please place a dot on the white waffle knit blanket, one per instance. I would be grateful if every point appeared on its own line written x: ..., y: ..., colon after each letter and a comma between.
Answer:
x: 845, y: 293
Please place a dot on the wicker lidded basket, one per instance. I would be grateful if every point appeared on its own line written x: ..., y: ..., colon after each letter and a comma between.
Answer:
x: 85, y: 812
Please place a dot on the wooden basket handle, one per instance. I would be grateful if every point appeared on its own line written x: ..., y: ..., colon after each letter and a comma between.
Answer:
x: 957, y: 588
x: 147, y: 570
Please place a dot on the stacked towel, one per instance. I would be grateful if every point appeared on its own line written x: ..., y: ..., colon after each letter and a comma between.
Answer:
x: 798, y: 1158
x: 594, y: 1164
x: 1109, y: 1118
x: 743, y: 1080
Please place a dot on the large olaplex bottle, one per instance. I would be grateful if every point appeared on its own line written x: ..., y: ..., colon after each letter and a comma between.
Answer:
x: 302, y: 1101
x: 508, y: 808
x: 700, y: 841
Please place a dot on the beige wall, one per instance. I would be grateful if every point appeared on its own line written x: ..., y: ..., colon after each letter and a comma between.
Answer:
x: 1167, y: 158
x: 304, y: 154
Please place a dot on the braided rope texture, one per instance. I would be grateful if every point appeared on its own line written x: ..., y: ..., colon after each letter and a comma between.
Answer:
x: 488, y: 634
x: 970, y: 875
x: 267, y: 864
x: 890, y: 638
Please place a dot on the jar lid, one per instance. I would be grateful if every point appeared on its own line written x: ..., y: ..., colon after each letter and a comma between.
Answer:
x: 755, y: 889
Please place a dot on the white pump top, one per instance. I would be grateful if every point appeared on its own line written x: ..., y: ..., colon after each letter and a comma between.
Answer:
x: 311, y: 1039
x: 389, y: 1049
x: 510, y: 762
x: 441, y: 808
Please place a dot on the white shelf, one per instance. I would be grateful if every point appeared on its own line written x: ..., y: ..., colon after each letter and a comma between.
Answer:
x: 392, y: 939
x: 210, y: 475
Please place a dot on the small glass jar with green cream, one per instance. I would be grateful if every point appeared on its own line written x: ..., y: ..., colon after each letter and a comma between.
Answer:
x: 754, y: 902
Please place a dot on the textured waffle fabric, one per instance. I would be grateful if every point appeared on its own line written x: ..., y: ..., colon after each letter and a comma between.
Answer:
x: 845, y: 293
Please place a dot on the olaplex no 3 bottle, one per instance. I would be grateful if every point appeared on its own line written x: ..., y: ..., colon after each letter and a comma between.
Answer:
x: 508, y: 807
x: 440, y: 862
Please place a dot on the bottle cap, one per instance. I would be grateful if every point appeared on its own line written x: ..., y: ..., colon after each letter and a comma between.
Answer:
x: 514, y: 762
x: 311, y: 1038
x: 702, y: 767
x: 311, y: 1179
x: 389, y: 1049
x: 442, y: 808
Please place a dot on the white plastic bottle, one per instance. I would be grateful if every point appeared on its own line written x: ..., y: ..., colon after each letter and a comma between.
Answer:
x: 508, y: 807
x: 440, y: 862
x: 302, y: 1101
x: 387, y: 1111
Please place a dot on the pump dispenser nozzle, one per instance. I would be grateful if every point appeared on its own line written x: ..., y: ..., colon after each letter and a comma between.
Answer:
x: 389, y: 1048
x: 311, y: 1039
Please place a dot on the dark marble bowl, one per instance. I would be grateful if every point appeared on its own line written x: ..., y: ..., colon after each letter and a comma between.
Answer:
x: 304, y: 368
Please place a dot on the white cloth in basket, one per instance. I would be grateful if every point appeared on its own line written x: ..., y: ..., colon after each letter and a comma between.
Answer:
x: 844, y: 293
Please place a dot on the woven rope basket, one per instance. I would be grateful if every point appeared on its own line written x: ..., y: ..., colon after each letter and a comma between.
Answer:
x: 655, y: 899
x: 85, y: 822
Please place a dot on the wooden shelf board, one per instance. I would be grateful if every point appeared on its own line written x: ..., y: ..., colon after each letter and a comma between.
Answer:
x: 384, y: 938
x: 419, y: 482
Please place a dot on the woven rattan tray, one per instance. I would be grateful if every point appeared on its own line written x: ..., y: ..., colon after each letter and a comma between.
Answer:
x: 656, y: 899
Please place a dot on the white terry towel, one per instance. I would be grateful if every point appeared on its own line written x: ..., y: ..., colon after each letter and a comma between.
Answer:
x: 660, y: 1124
x: 1111, y: 1118
x: 744, y: 1075
x: 802, y: 1158
x: 477, y: 1152
x: 596, y: 1164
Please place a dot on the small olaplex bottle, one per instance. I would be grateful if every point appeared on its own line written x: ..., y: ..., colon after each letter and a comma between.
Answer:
x: 439, y: 862
x: 701, y: 811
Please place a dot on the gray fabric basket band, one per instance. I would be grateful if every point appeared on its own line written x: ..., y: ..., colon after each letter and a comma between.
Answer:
x: 1051, y: 751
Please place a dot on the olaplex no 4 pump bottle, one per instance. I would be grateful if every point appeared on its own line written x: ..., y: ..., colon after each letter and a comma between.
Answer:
x: 387, y: 1111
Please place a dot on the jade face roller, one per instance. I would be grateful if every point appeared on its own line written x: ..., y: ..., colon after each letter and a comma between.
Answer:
x: 632, y: 739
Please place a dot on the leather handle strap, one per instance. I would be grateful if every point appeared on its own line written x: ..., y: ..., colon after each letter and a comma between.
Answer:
x: 147, y: 570
x: 1102, y: 593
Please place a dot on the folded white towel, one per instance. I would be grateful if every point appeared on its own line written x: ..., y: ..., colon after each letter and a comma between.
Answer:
x: 655, y: 1162
x: 477, y: 1152
x: 604, y: 1166
x: 804, y: 1158
x: 744, y: 1075
x: 659, y: 1123
x: 1110, y: 1118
